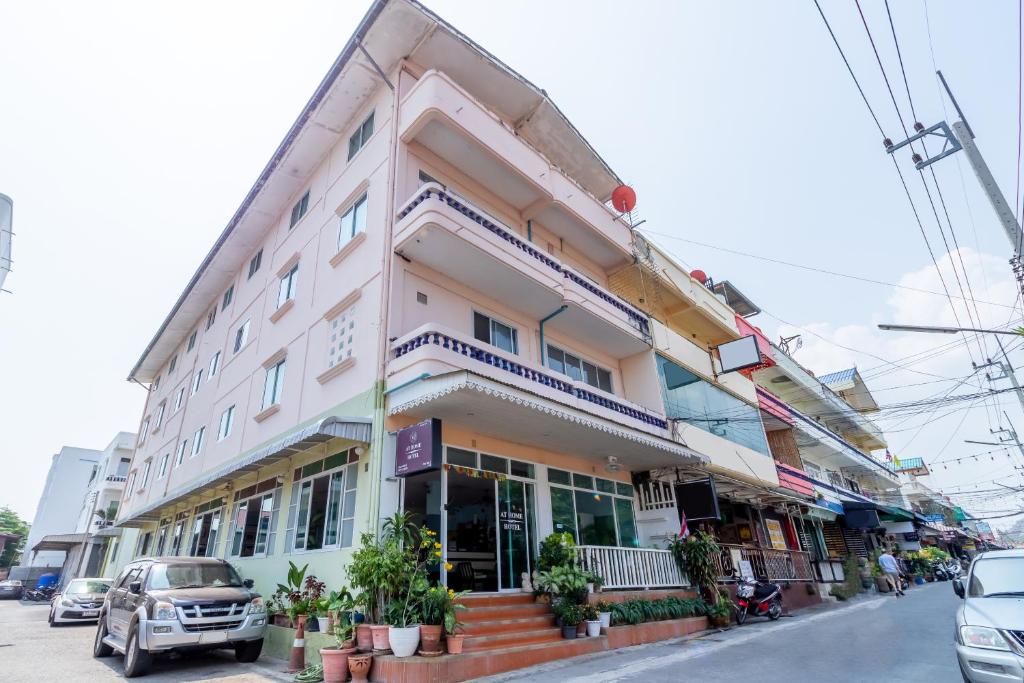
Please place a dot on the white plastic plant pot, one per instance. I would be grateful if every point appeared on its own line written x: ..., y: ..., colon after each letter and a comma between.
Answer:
x: 404, y: 641
x: 605, y: 618
x: 593, y: 628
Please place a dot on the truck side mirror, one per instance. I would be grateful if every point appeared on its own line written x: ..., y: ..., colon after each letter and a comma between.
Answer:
x: 248, y: 583
x: 135, y: 587
x: 958, y: 587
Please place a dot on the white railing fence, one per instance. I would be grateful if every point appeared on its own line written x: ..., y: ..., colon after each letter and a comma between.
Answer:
x: 631, y: 567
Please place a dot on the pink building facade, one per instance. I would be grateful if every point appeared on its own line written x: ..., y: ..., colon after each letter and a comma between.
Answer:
x: 432, y: 239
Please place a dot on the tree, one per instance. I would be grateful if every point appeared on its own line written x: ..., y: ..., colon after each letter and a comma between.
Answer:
x: 11, y: 523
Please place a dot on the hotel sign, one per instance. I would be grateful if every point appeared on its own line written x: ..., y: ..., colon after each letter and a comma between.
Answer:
x: 418, y: 448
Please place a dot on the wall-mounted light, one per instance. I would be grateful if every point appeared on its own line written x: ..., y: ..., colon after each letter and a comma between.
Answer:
x: 360, y: 451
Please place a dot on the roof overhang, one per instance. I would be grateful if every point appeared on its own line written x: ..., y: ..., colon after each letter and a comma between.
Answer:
x: 59, y: 542
x: 354, y: 429
x: 391, y: 30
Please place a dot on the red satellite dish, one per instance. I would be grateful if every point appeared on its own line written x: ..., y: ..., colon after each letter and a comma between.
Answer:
x: 699, y: 275
x: 623, y: 198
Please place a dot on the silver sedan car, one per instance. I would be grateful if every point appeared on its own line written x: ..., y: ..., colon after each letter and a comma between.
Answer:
x: 990, y: 623
x: 80, y: 601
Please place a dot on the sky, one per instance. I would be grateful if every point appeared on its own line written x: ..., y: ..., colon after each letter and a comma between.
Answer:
x: 130, y: 132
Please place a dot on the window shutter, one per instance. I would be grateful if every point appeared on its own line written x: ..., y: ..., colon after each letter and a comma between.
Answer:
x: 293, y: 508
x: 275, y: 510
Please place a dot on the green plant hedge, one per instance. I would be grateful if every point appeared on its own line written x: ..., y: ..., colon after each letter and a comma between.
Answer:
x: 639, y: 611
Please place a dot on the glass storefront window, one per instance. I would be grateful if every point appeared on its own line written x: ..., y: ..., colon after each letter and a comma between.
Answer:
x: 627, y: 523
x: 595, y: 511
x: 563, y: 514
x: 457, y: 456
x: 558, y: 476
x: 697, y: 402
x: 492, y: 463
x: 595, y: 519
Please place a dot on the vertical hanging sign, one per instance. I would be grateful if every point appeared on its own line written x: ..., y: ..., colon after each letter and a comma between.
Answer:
x: 418, y: 448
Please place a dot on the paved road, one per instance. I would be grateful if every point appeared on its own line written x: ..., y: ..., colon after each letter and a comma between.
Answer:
x: 32, y: 652
x: 874, y: 639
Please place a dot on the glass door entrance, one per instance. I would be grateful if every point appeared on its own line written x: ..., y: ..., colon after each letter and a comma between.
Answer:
x: 515, y: 532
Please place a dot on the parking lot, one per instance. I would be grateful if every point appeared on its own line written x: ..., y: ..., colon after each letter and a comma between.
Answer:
x: 33, y: 652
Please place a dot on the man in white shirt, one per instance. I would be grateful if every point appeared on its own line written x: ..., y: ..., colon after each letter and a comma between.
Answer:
x: 891, y: 570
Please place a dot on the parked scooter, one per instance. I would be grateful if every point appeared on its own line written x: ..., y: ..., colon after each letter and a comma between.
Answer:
x: 760, y: 598
x: 940, y: 571
x: 953, y: 569
x: 44, y: 594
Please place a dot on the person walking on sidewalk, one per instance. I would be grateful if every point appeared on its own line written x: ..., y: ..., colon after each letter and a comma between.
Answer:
x: 891, y: 570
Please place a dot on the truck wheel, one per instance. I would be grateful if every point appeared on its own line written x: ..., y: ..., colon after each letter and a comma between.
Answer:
x: 249, y: 651
x: 99, y: 648
x: 136, y: 660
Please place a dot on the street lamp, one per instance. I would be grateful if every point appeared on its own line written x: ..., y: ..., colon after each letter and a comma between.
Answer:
x: 944, y: 330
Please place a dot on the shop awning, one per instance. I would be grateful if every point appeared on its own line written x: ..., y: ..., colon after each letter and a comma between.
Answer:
x: 59, y: 542
x: 355, y: 429
x: 886, y: 513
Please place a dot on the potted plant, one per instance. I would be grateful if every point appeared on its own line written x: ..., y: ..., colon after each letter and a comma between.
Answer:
x: 593, y: 621
x: 324, y: 622
x: 696, y: 555
x: 335, y: 659
x: 433, y: 610
x: 452, y: 625
x: 571, y: 616
x: 720, y: 613
x: 604, y: 613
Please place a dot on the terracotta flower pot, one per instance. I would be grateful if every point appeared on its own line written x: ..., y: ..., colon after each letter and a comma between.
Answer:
x: 300, y: 620
x: 380, y: 637
x: 455, y: 643
x: 430, y: 638
x: 282, y: 620
x: 359, y: 667
x: 335, y: 663
x: 364, y: 637
x: 581, y: 629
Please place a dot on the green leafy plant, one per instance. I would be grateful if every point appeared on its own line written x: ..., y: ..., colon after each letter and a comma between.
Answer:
x: 696, y: 556
x: 401, y: 528
x: 851, y: 583
x: 557, y: 550
x: 571, y: 615
x: 930, y: 553
x: 604, y: 606
x: 639, y: 611
x: 721, y: 611
x: 377, y: 571
x: 568, y: 581
x: 590, y: 613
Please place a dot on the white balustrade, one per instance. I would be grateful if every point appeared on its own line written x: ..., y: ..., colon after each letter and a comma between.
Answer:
x: 631, y: 567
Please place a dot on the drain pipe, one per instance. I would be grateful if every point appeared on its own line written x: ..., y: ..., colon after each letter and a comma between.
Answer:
x: 549, y: 316
x: 529, y: 230
x: 418, y: 378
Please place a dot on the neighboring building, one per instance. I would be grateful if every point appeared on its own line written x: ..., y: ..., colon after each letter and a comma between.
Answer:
x: 99, y: 508
x: 433, y: 240
x: 60, y: 504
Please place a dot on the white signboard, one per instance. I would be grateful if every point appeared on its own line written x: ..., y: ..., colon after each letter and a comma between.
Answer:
x: 746, y: 571
x: 739, y: 354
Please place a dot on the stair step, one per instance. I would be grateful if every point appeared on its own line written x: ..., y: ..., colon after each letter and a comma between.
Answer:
x: 500, y: 612
x: 480, y: 628
x: 495, y: 599
x: 512, y: 639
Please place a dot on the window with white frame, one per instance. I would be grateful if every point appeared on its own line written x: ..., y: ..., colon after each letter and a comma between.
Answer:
x: 178, y: 535
x: 191, y: 341
x: 211, y: 317
x: 229, y: 294
x: 180, y: 456
x: 165, y: 460
x: 360, y: 137
x: 566, y: 363
x: 197, y: 381
x: 227, y: 419
x: 299, y: 210
x: 491, y: 331
x: 146, y: 467
x: 286, y: 291
x: 353, y: 222
x: 595, y: 511
x: 197, y: 441
x: 254, y: 263
x: 341, y: 331
x: 131, y: 484
x: 273, y: 384
x: 254, y: 520
x: 179, y: 398
x: 812, y: 469
x: 241, y: 336
x: 161, y: 537
x: 144, y: 432
x: 174, y: 364
x: 159, y: 419
x: 323, y: 503
x: 205, y: 527
x: 156, y: 383
x: 214, y: 366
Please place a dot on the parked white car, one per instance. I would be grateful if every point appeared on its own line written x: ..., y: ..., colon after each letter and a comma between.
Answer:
x: 990, y: 623
x: 80, y: 600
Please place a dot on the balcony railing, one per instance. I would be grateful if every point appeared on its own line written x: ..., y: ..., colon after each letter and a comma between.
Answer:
x: 635, y: 318
x: 767, y: 563
x: 553, y: 381
x: 631, y: 567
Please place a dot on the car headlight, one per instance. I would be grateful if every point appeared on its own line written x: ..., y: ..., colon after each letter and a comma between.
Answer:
x: 256, y: 606
x: 163, y: 611
x: 983, y: 637
x: 66, y: 603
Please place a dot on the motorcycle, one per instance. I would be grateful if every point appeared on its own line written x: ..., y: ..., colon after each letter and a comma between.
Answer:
x: 940, y: 571
x: 44, y: 594
x: 759, y: 598
x: 953, y: 569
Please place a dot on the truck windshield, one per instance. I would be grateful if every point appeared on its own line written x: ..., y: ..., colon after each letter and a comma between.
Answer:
x: 192, y: 575
x: 997, y: 577
x: 79, y: 586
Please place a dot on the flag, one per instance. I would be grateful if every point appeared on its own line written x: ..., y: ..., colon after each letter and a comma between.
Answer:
x: 684, y: 530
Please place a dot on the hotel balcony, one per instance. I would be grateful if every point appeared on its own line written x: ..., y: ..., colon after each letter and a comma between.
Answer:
x: 438, y: 115
x: 438, y: 372
x: 449, y: 235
